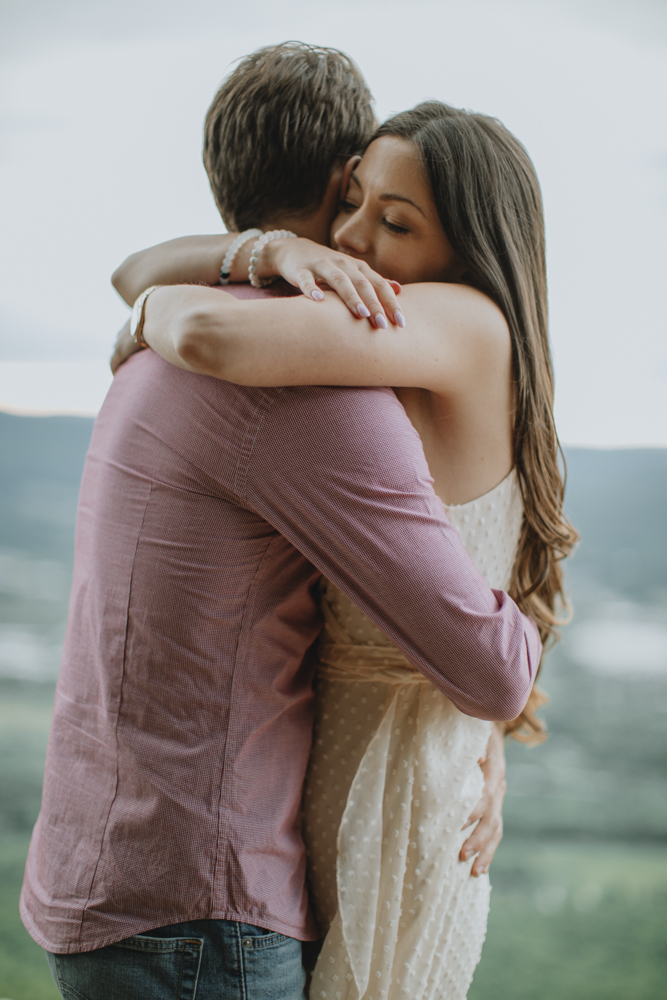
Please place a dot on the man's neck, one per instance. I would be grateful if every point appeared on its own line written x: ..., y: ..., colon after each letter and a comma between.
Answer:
x: 312, y: 226
x: 315, y: 225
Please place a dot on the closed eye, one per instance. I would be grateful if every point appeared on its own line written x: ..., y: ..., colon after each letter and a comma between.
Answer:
x: 393, y: 228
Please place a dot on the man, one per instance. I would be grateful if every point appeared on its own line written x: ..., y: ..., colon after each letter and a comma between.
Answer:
x: 167, y: 860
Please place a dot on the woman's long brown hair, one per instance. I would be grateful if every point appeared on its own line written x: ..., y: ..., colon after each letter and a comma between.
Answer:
x: 490, y: 206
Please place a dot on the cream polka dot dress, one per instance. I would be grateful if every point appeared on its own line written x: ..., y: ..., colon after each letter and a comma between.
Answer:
x: 392, y: 778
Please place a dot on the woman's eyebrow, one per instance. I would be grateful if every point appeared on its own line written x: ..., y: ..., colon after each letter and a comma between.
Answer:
x: 392, y: 197
x: 399, y: 197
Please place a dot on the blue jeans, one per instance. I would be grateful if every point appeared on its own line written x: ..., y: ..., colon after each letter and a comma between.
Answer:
x: 196, y: 960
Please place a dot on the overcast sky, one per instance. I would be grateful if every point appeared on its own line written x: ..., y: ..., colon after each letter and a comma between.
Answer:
x: 101, y: 114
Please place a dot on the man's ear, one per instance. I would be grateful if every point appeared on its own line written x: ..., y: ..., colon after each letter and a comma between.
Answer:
x: 319, y: 222
x: 345, y: 175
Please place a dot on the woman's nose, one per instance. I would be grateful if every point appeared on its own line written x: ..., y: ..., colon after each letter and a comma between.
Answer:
x: 351, y: 238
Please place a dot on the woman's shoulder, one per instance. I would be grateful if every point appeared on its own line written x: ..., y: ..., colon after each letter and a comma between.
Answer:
x: 464, y: 299
x: 466, y: 310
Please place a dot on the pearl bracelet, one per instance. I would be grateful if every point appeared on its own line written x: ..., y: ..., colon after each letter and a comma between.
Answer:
x: 228, y: 260
x: 275, y: 234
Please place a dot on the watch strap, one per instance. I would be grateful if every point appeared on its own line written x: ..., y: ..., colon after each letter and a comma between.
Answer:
x: 138, y: 316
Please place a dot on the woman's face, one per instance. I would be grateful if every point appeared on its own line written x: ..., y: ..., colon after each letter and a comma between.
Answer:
x: 389, y: 219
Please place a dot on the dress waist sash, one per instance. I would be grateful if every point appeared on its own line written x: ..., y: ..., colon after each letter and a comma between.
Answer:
x: 376, y: 664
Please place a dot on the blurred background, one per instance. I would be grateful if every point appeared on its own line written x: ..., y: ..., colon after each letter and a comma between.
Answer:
x: 101, y: 110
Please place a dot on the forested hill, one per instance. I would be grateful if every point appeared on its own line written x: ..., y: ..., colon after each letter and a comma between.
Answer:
x: 617, y: 500
x: 41, y: 460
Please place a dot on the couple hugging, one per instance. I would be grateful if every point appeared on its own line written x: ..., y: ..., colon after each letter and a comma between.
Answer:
x: 297, y: 486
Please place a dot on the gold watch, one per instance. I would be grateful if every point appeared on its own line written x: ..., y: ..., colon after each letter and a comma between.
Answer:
x: 138, y: 316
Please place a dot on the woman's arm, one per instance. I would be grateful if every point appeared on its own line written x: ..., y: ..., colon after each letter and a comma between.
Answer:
x: 452, y: 331
x: 190, y: 259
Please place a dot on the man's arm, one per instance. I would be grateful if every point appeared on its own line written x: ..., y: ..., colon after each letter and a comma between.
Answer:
x: 341, y: 473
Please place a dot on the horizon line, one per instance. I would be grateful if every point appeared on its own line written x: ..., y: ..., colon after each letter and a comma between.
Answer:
x: 18, y: 411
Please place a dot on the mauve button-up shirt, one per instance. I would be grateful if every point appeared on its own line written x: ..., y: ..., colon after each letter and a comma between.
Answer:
x: 182, y: 721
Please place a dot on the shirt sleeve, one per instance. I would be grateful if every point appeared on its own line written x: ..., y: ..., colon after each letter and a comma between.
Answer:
x: 341, y: 473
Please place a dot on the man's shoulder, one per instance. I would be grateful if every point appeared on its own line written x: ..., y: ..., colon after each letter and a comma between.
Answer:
x: 155, y: 409
x: 146, y: 379
x: 336, y: 421
x: 339, y: 399
x: 166, y: 406
x: 331, y: 410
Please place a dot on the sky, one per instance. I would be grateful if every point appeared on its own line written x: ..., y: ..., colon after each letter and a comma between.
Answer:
x: 101, y: 111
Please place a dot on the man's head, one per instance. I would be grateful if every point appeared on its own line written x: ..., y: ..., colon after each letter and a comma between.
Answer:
x: 285, y: 120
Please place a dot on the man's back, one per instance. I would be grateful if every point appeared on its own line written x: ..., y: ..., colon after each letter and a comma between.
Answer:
x: 182, y: 721
x: 184, y: 603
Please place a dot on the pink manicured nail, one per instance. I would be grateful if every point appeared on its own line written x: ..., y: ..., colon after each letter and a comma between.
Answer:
x: 399, y: 319
x: 363, y: 311
x: 380, y: 321
x: 317, y: 295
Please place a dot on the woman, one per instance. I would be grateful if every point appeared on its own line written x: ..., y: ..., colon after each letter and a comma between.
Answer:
x: 447, y: 203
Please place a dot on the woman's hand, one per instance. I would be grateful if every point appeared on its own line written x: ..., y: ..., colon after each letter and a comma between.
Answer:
x: 489, y: 810
x: 304, y: 264
x: 308, y: 266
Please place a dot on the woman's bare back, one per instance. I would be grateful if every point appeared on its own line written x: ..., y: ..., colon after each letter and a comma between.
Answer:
x: 467, y: 439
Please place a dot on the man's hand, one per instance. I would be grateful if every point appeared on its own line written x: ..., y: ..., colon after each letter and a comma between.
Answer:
x: 124, y: 349
x: 489, y: 830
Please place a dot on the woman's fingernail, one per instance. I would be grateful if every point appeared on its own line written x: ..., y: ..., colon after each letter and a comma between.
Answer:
x: 399, y: 319
x: 363, y: 311
x: 317, y: 295
x: 380, y: 321
x: 467, y: 855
